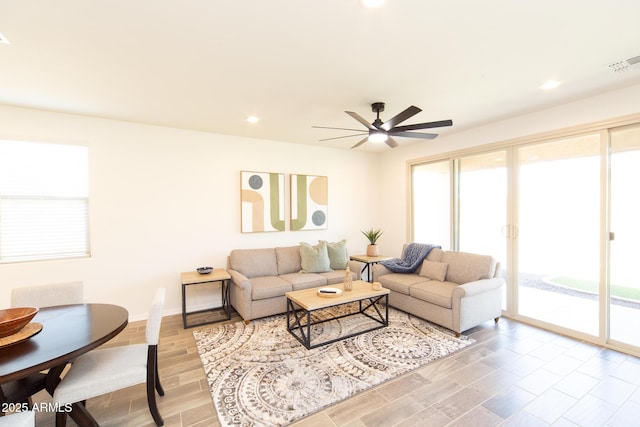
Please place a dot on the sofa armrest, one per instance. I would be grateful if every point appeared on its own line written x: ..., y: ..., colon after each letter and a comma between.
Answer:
x: 478, y: 287
x: 356, y: 267
x: 239, y: 279
x: 379, y: 270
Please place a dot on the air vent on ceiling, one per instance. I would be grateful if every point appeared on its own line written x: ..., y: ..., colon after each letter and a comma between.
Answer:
x: 625, y: 65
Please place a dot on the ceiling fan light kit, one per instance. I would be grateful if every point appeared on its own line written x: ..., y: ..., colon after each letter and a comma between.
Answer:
x: 379, y: 131
x: 377, y: 137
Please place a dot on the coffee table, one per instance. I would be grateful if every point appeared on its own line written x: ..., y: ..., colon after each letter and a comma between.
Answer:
x: 301, y: 304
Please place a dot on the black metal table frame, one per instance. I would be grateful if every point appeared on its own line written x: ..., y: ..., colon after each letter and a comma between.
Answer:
x: 226, y: 305
x: 296, y: 325
x: 367, y: 267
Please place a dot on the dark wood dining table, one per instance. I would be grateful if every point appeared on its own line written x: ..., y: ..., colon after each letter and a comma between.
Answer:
x: 68, y: 331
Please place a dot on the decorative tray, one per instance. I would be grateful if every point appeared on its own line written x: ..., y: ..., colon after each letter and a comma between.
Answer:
x: 329, y: 292
x: 23, y: 334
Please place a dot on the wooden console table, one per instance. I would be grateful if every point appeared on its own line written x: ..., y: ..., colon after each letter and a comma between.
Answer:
x: 194, y: 278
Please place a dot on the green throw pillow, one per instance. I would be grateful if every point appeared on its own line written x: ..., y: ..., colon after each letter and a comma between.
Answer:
x: 314, y: 259
x: 338, y: 257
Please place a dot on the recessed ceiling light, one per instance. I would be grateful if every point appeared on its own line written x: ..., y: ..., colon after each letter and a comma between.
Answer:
x: 372, y: 3
x: 3, y: 39
x: 253, y: 119
x: 551, y: 84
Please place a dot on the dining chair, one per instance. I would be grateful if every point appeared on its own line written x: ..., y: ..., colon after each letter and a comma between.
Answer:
x: 19, y: 419
x: 107, y: 370
x: 48, y: 295
x: 20, y: 391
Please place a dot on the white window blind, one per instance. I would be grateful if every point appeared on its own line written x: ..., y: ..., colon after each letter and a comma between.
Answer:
x: 44, y: 201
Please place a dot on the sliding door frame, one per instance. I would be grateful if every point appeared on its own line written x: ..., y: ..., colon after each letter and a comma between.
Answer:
x: 604, y: 129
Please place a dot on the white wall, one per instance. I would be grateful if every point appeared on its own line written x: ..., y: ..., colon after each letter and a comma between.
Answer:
x: 393, y: 164
x: 166, y: 200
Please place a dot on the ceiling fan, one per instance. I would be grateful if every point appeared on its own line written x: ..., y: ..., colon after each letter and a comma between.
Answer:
x: 380, y: 131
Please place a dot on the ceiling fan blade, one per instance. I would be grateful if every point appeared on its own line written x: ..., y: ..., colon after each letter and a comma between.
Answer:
x: 391, y: 142
x: 418, y: 126
x: 346, y: 136
x: 414, y: 135
x: 401, y: 117
x: 361, y: 142
x: 361, y: 119
x: 325, y: 127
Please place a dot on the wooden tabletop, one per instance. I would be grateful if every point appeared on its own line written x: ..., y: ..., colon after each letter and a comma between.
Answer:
x: 369, y: 259
x: 309, y: 299
x: 67, y: 332
x: 191, y: 277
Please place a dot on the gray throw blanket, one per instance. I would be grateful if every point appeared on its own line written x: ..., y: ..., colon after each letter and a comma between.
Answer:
x: 412, y: 258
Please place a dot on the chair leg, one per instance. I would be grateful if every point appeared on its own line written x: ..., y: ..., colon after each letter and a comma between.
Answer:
x: 61, y: 419
x: 152, y: 372
x: 159, y: 388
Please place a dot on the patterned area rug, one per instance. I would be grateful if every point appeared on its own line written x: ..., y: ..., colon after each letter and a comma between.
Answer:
x: 260, y: 375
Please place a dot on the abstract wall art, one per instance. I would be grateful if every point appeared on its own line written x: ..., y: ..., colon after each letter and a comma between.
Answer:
x: 262, y: 198
x: 309, y: 202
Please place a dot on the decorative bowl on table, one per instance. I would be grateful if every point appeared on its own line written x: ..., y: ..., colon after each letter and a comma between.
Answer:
x: 204, y: 270
x: 14, y: 319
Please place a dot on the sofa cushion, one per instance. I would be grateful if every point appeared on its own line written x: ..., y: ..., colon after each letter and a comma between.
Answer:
x: 435, y: 255
x: 314, y: 259
x: 254, y: 262
x: 466, y: 267
x: 338, y: 257
x: 304, y: 280
x: 335, y: 277
x: 269, y: 287
x: 288, y: 259
x: 400, y: 282
x: 434, y: 270
x: 435, y: 292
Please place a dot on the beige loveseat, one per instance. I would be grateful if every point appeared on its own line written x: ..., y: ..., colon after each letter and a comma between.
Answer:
x: 261, y: 277
x: 457, y: 290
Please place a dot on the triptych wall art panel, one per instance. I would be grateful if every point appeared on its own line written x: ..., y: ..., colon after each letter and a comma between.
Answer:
x: 309, y: 202
x: 262, y: 202
x: 262, y: 196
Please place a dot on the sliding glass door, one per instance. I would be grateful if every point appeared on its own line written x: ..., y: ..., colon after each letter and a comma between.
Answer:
x: 562, y: 218
x: 431, y: 201
x: 482, y: 207
x: 559, y: 232
x: 624, y: 293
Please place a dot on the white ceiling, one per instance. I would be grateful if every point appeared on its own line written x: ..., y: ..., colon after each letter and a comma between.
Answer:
x: 208, y: 64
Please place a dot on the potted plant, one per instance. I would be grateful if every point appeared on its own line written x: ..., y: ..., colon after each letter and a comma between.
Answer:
x: 373, y: 236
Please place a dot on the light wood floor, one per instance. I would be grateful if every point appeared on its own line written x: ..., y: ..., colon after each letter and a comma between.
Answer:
x: 515, y: 375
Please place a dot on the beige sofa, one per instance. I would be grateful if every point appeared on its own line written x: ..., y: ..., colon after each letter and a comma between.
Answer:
x: 261, y: 277
x: 456, y: 290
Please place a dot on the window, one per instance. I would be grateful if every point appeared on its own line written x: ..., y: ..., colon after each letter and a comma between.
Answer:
x: 44, y: 201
